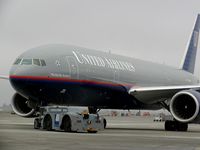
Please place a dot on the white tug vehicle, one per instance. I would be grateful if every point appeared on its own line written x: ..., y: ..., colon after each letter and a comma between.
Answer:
x: 63, y: 118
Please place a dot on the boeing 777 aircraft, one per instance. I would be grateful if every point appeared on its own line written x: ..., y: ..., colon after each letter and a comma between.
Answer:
x: 76, y: 76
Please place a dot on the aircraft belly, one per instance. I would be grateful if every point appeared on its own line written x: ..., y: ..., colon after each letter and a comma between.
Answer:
x: 59, y: 92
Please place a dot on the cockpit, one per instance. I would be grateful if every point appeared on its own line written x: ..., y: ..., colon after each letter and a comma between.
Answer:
x: 25, y: 61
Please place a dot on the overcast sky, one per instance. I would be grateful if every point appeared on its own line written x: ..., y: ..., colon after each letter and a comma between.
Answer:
x: 154, y: 30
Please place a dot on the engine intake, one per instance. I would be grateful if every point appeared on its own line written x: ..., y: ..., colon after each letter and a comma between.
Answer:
x: 184, y: 106
x: 20, y: 107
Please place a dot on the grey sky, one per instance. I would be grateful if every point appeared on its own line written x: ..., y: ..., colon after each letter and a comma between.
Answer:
x: 153, y: 30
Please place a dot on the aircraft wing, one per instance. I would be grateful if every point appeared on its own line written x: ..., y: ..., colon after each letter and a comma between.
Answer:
x: 4, y: 77
x: 151, y: 95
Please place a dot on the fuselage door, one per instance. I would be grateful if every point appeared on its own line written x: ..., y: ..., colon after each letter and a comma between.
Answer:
x: 73, y: 67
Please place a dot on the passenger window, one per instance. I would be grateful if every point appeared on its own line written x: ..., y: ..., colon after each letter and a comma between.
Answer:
x: 17, y: 61
x: 36, y: 62
x: 26, y: 62
x: 43, y: 63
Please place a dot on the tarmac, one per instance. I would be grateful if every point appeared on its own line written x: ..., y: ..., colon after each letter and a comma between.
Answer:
x: 122, y: 133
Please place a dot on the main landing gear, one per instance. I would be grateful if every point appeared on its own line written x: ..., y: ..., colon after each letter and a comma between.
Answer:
x: 95, y: 110
x: 171, y: 125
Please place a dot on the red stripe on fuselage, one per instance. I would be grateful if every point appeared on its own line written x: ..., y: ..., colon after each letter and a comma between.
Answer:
x: 65, y: 79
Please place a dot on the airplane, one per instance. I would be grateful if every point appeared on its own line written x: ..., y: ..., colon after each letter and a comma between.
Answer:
x: 69, y: 75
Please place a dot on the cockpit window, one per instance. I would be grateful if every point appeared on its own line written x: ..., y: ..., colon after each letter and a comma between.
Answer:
x: 26, y: 62
x: 36, y: 62
x: 17, y: 61
x: 43, y: 63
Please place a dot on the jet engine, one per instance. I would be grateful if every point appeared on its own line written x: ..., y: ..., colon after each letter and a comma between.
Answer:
x: 185, y: 106
x: 20, y: 106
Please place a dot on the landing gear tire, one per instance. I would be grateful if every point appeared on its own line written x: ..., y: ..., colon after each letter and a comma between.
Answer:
x: 66, y: 124
x: 175, y: 126
x: 104, y: 123
x: 92, y: 131
x: 47, y: 123
x: 37, y: 124
x: 182, y: 126
x: 170, y: 125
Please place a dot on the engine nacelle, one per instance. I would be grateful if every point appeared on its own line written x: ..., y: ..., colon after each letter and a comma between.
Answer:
x: 20, y: 106
x: 185, y: 106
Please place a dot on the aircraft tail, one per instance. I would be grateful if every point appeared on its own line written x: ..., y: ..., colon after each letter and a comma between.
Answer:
x: 189, y: 58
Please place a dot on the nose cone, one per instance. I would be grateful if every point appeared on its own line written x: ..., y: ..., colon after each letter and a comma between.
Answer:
x: 15, y: 67
x: 21, y: 70
x: 18, y: 71
x: 18, y: 78
x: 13, y: 71
x: 14, y: 74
